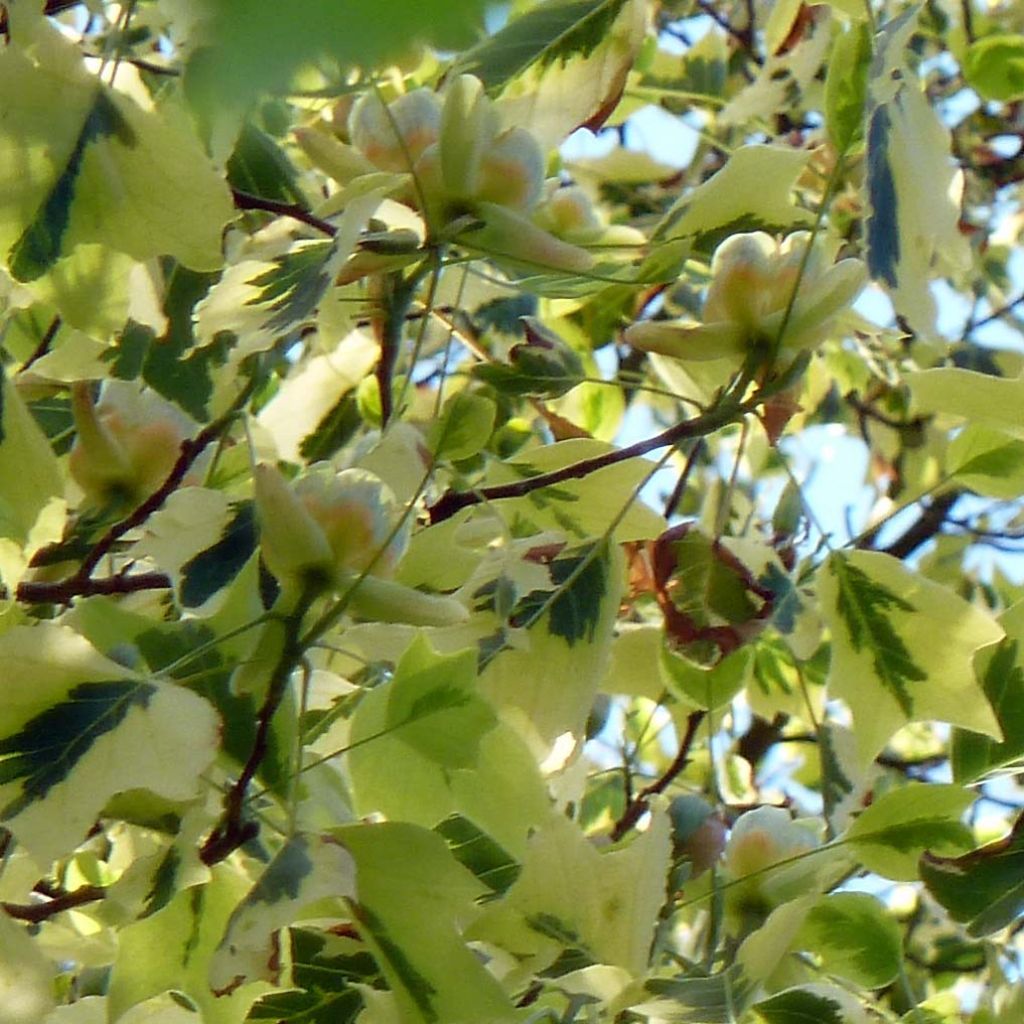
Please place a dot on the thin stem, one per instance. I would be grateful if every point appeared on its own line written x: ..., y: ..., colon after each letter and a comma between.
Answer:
x: 191, y: 449
x: 728, y: 410
x: 231, y: 832
x: 44, y: 344
x: 34, y: 913
x: 637, y: 806
x: 247, y: 201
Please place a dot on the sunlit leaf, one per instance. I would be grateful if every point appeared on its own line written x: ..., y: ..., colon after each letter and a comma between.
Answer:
x: 1001, y: 670
x: 465, y: 426
x: 914, y: 190
x: 578, y: 75
x: 172, y: 950
x: 306, y: 869
x: 77, y: 728
x: 889, y: 836
x: 752, y: 192
x: 978, y: 397
x: 26, y: 976
x: 32, y: 513
x: 855, y: 938
x: 412, y: 896
x: 983, y: 889
x: 551, y: 905
x: 902, y: 648
x: 103, y: 169
x: 994, y: 65
x: 435, y: 707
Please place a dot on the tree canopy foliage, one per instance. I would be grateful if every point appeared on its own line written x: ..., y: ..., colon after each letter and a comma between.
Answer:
x: 452, y: 577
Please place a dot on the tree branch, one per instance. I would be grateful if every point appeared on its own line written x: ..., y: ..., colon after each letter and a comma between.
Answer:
x: 44, y: 344
x: 80, y: 583
x: 62, y: 591
x: 700, y: 426
x: 996, y: 314
x: 638, y: 805
x: 232, y: 830
x: 927, y: 525
x: 36, y: 912
x: 247, y: 201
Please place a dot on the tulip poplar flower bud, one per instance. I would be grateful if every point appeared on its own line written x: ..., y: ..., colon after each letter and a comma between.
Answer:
x: 469, y: 124
x: 327, y: 524
x: 126, y: 444
x: 751, y: 301
x: 393, y: 136
x: 760, y: 840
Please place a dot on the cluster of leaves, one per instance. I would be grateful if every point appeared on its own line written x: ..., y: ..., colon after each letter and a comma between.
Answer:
x: 358, y: 664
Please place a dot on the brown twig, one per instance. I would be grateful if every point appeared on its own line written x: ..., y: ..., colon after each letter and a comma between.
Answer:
x: 996, y: 314
x: 636, y: 808
x: 233, y: 830
x: 247, y: 201
x: 62, y: 591
x: 453, y: 501
x: 743, y: 36
x: 81, y: 583
x: 672, y: 502
x: 44, y: 344
x: 927, y: 525
x: 36, y: 912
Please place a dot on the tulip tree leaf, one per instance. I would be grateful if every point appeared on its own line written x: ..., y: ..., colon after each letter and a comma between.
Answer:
x: 102, y: 169
x: 582, y: 508
x: 697, y: 1000
x: 855, y: 938
x: 902, y: 648
x: 988, y: 462
x: 465, y: 426
x: 412, y: 898
x: 202, y: 541
x: 580, y: 74
x: 476, y: 850
x: 978, y: 397
x: 752, y: 192
x: 214, y: 568
x: 543, y: 365
x: 889, y: 836
x: 570, y: 640
x: 261, y: 299
x: 786, y: 72
x: 994, y: 66
x: 913, y: 186
x: 555, y: 900
x: 172, y: 949
x: 306, y: 869
x: 76, y: 728
x: 846, y: 86
x: 32, y: 513
x: 325, y: 983
x: 27, y: 975
x: 983, y: 889
x: 1002, y: 676
x: 555, y: 31
x: 434, y: 705
x: 258, y: 46
x: 503, y: 794
x: 800, y: 1006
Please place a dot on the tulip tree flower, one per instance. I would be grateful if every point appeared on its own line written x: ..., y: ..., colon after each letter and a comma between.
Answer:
x: 342, y: 532
x: 125, y: 444
x: 474, y: 180
x: 568, y: 212
x: 759, y: 840
x: 748, y: 303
